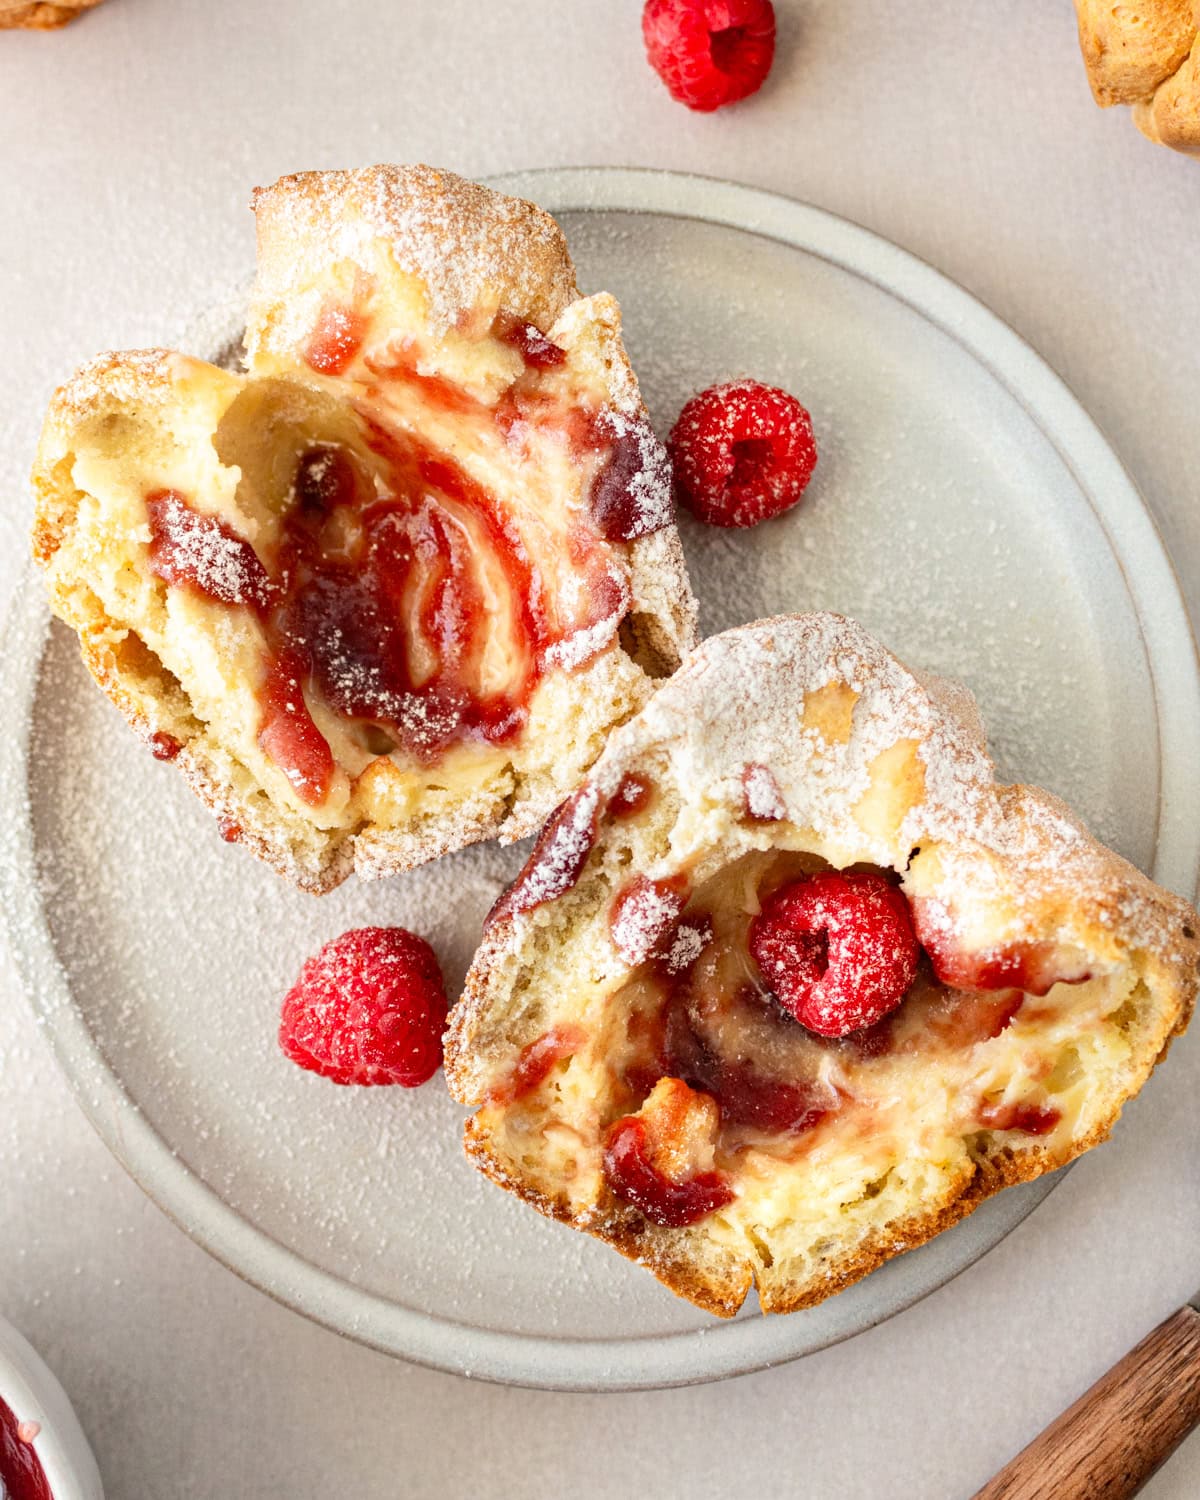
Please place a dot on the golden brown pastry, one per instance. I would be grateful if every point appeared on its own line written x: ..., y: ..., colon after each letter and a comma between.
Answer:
x: 1171, y: 116
x: 386, y: 593
x: 1147, y: 55
x: 791, y: 984
x: 41, y: 15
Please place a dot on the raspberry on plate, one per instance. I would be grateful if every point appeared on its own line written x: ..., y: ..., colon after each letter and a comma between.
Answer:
x: 369, y: 1008
x: 743, y: 452
x: 837, y: 950
x: 710, y: 52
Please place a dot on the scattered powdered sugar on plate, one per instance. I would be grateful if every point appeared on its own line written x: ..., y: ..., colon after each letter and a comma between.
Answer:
x: 939, y: 515
x: 178, y: 949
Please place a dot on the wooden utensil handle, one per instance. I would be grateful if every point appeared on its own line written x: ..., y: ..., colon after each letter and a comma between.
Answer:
x: 1108, y: 1444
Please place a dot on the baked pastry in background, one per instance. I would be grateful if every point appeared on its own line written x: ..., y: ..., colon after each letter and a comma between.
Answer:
x: 791, y: 984
x: 1147, y: 55
x: 40, y: 15
x: 386, y: 593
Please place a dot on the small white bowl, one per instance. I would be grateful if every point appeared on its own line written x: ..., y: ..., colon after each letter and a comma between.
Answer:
x: 30, y: 1389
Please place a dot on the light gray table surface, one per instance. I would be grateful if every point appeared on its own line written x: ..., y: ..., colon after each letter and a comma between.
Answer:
x: 965, y: 133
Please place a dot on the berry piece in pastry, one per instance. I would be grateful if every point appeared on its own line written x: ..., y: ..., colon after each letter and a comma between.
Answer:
x: 791, y: 983
x: 386, y: 593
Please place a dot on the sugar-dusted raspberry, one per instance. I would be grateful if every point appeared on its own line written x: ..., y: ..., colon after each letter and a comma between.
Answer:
x: 837, y: 950
x: 743, y: 452
x: 710, y: 52
x: 369, y: 1008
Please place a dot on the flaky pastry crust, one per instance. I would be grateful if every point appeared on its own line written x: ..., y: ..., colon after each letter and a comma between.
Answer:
x: 873, y: 764
x: 1146, y: 55
x: 434, y: 258
x: 41, y: 15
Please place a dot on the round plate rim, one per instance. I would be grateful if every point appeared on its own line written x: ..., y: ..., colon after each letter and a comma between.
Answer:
x: 720, y: 1350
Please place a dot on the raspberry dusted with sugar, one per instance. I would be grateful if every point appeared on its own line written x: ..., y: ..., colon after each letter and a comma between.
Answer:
x: 743, y: 453
x: 369, y: 1008
x: 710, y: 52
x: 837, y: 950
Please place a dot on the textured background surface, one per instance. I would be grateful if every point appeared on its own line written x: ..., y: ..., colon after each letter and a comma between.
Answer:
x: 966, y: 134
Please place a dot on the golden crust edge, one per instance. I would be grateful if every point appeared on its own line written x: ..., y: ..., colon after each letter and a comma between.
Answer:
x: 1172, y: 970
x: 1124, y: 62
x: 43, y: 15
x: 688, y: 1276
x: 1120, y: 878
x: 659, y: 584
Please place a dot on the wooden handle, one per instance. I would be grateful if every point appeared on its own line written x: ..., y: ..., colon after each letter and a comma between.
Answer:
x: 1108, y: 1444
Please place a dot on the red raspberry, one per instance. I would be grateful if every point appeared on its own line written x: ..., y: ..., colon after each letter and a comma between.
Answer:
x: 838, y: 950
x: 369, y: 1008
x: 710, y: 52
x: 743, y: 453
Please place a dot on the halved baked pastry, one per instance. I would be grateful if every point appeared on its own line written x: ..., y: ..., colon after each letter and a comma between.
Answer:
x: 1147, y: 55
x: 790, y: 983
x: 386, y: 593
x: 41, y: 15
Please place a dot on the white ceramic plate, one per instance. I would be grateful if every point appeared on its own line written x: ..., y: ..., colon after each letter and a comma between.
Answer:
x: 964, y: 507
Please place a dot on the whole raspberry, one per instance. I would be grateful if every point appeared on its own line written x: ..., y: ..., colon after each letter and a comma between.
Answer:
x: 837, y: 950
x: 369, y: 1008
x: 743, y: 453
x: 710, y: 52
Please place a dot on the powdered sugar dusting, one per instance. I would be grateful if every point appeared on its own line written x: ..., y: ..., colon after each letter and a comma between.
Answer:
x: 632, y: 495
x: 744, y: 691
x: 369, y: 1185
x: 188, y: 547
x: 577, y: 649
x: 121, y: 377
x: 764, y: 800
x: 643, y: 913
x: 558, y: 856
x: 188, y: 1035
x: 688, y: 943
x: 471, y: 248
x: 585, y: 644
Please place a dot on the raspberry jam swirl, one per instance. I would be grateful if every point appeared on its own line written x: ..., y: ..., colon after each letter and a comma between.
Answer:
x: 401, y: 595
x: 632, y: 1175
x: 724, y: 1000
